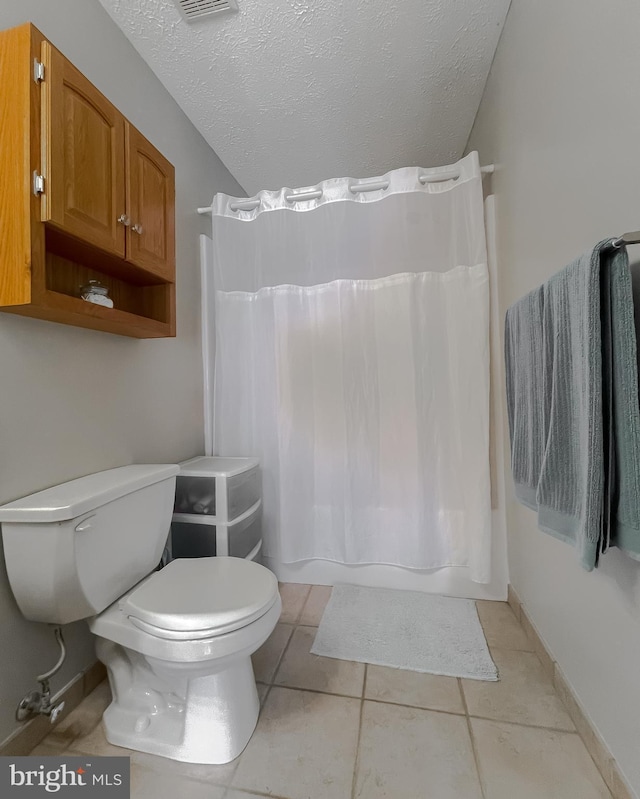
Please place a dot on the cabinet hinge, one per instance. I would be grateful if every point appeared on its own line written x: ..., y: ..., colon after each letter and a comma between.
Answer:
x: 38, y: 70
x: 38, y: 184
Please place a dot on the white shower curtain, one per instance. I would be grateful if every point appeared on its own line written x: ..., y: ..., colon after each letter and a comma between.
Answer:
x: 352, y: 358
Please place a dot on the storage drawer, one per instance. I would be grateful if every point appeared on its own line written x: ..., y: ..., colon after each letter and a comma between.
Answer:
x: 195, y: 495
x: 244, y: 536
x: 193, y: 540
x: 194, y: 536
x: 243, y: 491
x: 225, y: 497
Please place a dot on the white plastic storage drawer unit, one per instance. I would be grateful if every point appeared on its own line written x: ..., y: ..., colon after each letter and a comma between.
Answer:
x: 217, y: 509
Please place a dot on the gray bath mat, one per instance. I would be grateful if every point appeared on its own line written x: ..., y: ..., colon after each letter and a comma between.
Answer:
x: 405, y: 630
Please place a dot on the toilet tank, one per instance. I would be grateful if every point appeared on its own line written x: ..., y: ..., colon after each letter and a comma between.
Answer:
x: 73, y: 549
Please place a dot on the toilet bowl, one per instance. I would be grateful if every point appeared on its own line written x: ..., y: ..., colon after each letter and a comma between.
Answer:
x: 180, y: 689
x: 177, y: 642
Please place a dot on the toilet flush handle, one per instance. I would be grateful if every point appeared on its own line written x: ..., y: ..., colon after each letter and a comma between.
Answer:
x: 85, y: 524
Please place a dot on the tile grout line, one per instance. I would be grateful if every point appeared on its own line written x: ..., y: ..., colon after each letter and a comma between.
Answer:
x: 414, y: 707
x: 339, y: 696
x: 354, y: 777
x: 528, y: 726
x: 252, y: 793
x: 294, y: 627
x: 266, y: 696
x: 472, y: 739
x: 272, y: 682
x: 427, y: 709
x: 304, y: 605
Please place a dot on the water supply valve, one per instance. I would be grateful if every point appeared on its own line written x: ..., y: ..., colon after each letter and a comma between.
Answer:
x: 38, y: 703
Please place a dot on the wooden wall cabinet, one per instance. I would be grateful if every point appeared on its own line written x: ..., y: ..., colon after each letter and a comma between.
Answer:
x: 83, y: 195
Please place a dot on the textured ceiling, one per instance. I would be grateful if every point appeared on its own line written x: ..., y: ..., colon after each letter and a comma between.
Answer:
x: 291, y: 92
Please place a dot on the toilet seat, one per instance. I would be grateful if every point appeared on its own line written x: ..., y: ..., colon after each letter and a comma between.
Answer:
x: 196, y: 598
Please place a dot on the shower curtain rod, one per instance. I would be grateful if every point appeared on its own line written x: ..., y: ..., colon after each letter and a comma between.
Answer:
x: 314, y: 194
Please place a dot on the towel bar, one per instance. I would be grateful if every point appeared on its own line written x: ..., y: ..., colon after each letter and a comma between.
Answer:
x: 626, y: 239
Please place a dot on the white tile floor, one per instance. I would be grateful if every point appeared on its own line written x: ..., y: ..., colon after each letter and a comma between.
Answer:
x: 332, y: 729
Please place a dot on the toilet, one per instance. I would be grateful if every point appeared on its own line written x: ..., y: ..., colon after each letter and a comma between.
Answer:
x: 177, y: 643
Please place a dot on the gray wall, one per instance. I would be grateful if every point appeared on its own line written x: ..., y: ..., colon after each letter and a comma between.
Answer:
x: 560, y: 118
x: 75, y: 401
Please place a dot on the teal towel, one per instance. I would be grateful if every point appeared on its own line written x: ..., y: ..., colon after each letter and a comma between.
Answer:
x: 625, y: 484
x: 572, y: 398
x: 571, y: 482
x: 523, y: 353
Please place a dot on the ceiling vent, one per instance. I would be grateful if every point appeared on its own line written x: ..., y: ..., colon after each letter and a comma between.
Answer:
x: 193, y: 10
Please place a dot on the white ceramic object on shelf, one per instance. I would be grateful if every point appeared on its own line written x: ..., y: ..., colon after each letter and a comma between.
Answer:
x: 96, y: 293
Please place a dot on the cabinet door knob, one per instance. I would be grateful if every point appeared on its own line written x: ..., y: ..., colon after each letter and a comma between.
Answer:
x: 137, y: 229
x: 123, y: 219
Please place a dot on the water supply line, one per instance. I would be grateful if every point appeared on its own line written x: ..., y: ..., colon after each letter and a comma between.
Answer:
x: 38, y: 703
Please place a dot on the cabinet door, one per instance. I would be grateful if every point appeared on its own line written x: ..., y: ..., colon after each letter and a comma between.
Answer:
x: 83, y: 157
x: 151, y: 206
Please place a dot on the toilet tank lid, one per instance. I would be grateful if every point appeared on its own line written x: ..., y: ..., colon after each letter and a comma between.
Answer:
x: 72, y: 499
